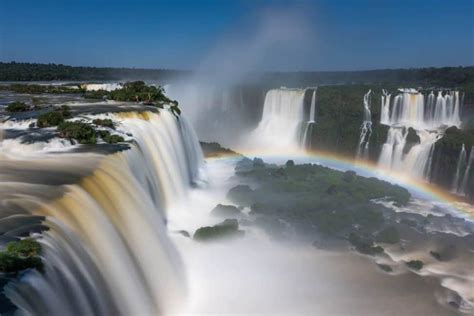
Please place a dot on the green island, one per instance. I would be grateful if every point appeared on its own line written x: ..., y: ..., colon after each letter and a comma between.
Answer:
x: 318, y: 200
x: 21, y: 255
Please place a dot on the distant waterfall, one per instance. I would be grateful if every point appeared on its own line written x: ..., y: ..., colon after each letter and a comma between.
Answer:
x: 385, y: 108
x: 106, y: 251
x: 365, y: 129
x: 428, y: 119
x: 456, y: 187
x: 467, y: 171
x: 283, y: 113
x: 308, y: 131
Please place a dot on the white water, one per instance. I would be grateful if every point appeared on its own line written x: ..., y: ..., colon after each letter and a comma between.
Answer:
x: 365, y: 129
x: 102, y: 86
x: 308, y: 131
x: 459, y: 167
x: 429, y: 120
x: 107, y: 251
x: 283, y: 113
x: 467, y: 171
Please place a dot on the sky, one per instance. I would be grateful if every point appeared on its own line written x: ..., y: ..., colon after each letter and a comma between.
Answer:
x: 262, y: 35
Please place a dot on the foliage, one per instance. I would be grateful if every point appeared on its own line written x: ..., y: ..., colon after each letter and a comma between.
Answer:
x: 15, y: 107
x: 82, y: 132
x: 335, y: 203
x: 388, y: 235
x: 49, y: 119
x: 110, y: 138
x: 364, y: 245
x: 40, y: 89
x: 27, y: 247
x: 20, y: 255
x: 104, y: 122
x: 14, y: 71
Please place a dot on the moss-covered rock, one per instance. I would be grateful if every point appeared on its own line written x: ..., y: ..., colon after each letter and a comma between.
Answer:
x: 15, y: 107
x: 225, y: 230
x: 415, y: 264
x: 385, y: 267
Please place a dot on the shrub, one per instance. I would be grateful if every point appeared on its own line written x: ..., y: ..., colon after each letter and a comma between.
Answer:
x: 104, y: 122
x: 27, y: 247
x: 20, y: 255
x: 82, y: 132
x: 15, y: 107
x: 49, y: 119
x: 109, y: 138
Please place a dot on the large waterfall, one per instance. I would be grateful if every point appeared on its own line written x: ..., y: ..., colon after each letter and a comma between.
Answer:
x: 106, y: 250
x: 416, y: 123
x: 365, y: 129
x: 283, y: 113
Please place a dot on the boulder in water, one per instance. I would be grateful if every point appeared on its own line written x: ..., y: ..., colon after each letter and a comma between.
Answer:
x: 222, y: 210
x: 225, y: 230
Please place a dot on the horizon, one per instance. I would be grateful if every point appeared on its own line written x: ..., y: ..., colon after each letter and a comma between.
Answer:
x: 259, y: 71
x: 265, y: 36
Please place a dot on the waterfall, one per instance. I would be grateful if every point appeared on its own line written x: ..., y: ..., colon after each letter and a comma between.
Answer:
x: 385, y: 108
x: 467, y: 171
x: 283, y: 113
x: 365, y: 129
x: 308, y: 131
x: 106, y: 251
x: 428, y: 120
x: 460, y: 165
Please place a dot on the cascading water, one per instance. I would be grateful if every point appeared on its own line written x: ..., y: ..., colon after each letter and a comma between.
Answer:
x: 385, y: 108
x: 283, y: 113
x: 409, y: 112
x: 106, y: 251
x: 365, y: 129
x: 467, y: 172
x: 308, y: 131
x: 459, y: 167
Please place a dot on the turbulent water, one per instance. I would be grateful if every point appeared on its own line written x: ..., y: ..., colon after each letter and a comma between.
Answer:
x: 106, y: 250
x: 428, y: 116
x: 111, y: 218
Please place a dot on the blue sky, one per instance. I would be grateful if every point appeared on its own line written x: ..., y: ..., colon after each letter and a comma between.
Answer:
x: 262, y: 35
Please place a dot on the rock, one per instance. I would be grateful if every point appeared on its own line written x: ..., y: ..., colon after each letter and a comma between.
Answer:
x: 222, y: 210
x: 290, y: 163
x: 435, y: 255
x: 241, y: 195
x: 415, y: 264
x: 184, y: 233
x: 384, y: 267
x: 412, y: 139
x: 225, y: 230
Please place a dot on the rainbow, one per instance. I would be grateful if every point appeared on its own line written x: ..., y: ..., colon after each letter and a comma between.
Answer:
x: 417, y: 188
